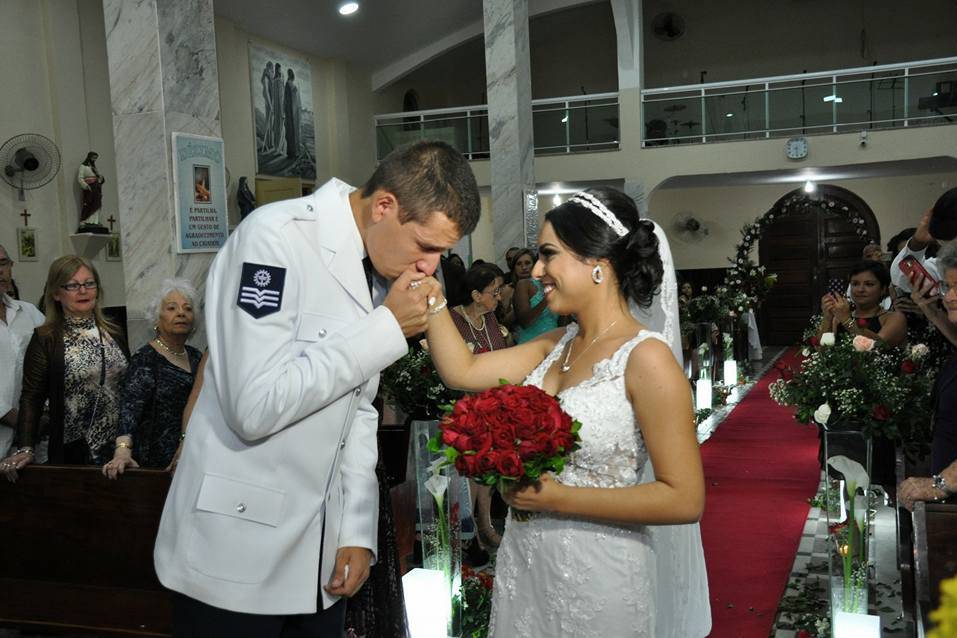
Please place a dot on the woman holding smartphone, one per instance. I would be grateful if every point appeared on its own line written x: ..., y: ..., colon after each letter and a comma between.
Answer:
x: 869, y: 284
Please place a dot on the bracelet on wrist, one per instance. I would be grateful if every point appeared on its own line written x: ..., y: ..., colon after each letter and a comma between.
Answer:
x: 941, y: 485
x: 848, y: 323
x: 123, y: 444
x: 439, y: 308
x: 26, y: 449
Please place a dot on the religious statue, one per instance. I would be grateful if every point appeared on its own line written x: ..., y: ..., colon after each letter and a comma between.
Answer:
x: 244, y: 198
x: 91, y: 183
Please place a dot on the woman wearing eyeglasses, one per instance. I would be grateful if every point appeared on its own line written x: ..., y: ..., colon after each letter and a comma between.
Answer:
x: 476, y: 322
x: 76, y: 360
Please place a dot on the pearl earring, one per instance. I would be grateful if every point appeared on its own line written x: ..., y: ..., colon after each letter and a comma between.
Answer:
x: 597, y: 275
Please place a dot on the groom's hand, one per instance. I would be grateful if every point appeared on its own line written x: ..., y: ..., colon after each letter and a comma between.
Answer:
x: 352, y: 570
x: 408, y: 302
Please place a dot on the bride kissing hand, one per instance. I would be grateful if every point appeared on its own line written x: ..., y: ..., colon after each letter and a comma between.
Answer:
x: 543, y: 495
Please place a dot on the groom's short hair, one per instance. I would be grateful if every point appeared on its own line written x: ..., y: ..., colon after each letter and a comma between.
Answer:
x: 425, y: 177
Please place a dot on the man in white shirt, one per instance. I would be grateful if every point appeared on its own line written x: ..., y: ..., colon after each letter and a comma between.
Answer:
x: 938, y: 224
x: 17, y: 321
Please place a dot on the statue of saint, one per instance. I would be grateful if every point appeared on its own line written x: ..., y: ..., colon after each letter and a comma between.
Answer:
x: 244, y: 198
x: 91, y: 183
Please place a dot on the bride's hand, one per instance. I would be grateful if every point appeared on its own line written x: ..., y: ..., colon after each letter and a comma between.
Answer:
x: 541, y: 496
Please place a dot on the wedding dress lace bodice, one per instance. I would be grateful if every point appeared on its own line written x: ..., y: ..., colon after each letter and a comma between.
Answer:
x: 561, y: 576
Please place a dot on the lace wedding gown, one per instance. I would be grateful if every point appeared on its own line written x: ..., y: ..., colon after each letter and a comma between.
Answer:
x: 561, y: 576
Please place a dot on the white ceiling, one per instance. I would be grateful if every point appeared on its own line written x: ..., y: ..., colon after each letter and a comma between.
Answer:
x: 381, y: 33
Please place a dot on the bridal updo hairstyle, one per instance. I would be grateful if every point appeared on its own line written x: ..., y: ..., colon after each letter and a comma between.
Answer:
x: 634, y: 257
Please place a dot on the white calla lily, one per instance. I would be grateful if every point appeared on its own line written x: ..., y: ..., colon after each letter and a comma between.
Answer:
x: 827, y: 339
x: 822, y: 414
x: 437, y: 485
x: 855, y: 476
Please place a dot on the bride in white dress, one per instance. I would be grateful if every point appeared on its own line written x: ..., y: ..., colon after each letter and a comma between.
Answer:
x: 612, y: 548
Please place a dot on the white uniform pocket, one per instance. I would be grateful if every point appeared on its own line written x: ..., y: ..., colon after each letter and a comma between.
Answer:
x: 234, y: 521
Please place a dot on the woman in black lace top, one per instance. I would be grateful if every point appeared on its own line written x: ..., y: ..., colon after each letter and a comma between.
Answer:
x: 158, y: 383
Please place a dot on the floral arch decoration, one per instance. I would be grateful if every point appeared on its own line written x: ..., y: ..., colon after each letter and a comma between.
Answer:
x: 799, y: 202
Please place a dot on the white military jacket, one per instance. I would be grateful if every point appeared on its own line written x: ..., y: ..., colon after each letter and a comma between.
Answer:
x: 283, y: 433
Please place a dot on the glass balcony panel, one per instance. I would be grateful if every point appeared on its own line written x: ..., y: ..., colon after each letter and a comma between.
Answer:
x: 735, y: 114
x: 801, y: 109
x: 592, y: 126
x: 548, y: 127
x: 932, y: 97
x: 394, y: 134
x: 668, y: 120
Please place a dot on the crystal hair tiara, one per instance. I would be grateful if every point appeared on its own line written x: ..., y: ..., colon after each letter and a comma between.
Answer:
x: 594, y: 204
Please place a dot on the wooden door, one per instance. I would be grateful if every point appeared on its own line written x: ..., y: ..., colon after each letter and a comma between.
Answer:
x: 808, y: 251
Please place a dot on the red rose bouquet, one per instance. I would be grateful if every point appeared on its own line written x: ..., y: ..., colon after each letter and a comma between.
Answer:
x: 506, y: 434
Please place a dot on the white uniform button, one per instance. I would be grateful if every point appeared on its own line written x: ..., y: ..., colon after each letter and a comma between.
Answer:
x: 358, y: 391
x: 342, y: 444
x: 241, y: 507
x: 309, y: 207
x: 322, y: 332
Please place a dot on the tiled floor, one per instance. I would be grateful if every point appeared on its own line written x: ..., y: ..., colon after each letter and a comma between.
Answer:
x: 810, y: 571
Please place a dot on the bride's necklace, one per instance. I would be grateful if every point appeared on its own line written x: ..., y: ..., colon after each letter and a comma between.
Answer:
x: 168, y: 349
x: 566, y: 366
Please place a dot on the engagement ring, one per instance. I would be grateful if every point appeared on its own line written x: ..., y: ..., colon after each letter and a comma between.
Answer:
x: 415, y: 284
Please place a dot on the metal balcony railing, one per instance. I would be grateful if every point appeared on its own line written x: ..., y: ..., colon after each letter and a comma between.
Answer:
x: 559, y: 125
x: 886, y: 96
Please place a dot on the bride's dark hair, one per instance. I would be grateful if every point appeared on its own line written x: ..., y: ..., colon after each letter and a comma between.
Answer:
x: 634, y: 257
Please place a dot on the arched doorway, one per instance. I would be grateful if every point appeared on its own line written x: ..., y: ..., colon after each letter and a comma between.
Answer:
x: 810, y: 250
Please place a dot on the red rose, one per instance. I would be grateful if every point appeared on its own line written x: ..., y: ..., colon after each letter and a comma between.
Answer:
x: 503, y: 438
x: 787, y: 374
x: 880, y: 412
x: 804, y: 633
x: 509, y: 465
x: 815, y: 341
x: 467, y: 464
x: 908, y: 366
x: 455, y: 439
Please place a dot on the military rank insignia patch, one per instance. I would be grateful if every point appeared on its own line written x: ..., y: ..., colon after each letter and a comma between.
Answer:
x: 260, y: 289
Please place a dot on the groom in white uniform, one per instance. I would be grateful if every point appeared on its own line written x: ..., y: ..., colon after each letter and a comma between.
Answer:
x: 272, y: 513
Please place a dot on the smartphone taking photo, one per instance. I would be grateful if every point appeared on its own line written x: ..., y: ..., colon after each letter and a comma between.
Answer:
x: 911, y: 268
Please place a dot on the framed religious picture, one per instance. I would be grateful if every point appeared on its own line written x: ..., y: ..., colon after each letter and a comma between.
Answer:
x: 199, y: 187
x: 283, y: 117
x: 113, y: 248
x: 27, y: 244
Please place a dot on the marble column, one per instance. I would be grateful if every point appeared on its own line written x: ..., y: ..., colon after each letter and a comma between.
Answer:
x: 508, y: 77
x: 163, y: 78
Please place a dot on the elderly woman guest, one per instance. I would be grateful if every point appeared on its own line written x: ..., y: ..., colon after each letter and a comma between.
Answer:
x: 943, y: 452
x: 158, y: 383
x: 476, y: 322
x: 76, y: 360
x: 869, y: 283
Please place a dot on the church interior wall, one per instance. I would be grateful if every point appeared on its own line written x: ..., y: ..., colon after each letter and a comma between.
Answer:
x: 737, y: 39
x: 897, y: 203
x: 55, y: 78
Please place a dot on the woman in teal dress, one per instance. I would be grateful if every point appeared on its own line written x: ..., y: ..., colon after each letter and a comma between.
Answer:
x: 531, y: 312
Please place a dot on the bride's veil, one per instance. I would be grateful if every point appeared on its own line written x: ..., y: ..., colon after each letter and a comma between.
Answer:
x: 682, y: 606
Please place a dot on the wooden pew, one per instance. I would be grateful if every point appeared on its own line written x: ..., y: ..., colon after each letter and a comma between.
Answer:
x: 935, y: 554
x: 76, y: 551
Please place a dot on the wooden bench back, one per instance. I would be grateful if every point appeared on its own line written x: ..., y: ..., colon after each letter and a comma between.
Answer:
x: 76, y: 550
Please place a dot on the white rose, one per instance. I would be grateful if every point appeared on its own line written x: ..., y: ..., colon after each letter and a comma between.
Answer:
x: 827, y: 339
x: 823, y: 413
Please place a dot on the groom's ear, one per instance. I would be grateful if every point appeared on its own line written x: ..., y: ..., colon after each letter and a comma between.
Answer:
x: 384, y: 204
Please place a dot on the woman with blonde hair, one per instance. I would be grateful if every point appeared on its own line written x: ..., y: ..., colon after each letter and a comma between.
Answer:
x: 158, y: 383
x: 76, y: 361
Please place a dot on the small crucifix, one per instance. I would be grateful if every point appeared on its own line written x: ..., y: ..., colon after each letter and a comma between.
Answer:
x: 26, y: 216
x: 111, y: 220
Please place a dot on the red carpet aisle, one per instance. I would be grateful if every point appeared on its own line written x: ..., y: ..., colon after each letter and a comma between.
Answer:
x: 760, y: 469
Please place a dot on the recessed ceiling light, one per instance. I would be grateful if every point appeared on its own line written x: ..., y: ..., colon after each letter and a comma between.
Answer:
x: 809, y: 186
x: 565, y: 119
x: 729, y: 114
x: 348, y: 8
x: 833, y: 98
